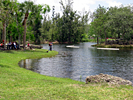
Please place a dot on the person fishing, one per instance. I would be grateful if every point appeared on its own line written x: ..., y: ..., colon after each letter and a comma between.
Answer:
x: 50, y: 46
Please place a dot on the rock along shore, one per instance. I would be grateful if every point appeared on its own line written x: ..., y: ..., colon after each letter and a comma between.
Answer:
x: 105, y: 78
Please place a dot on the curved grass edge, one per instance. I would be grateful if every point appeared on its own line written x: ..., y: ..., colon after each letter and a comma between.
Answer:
x: 20, y: 84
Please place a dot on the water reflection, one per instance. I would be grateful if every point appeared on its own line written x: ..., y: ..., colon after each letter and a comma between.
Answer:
x: 85, y: 61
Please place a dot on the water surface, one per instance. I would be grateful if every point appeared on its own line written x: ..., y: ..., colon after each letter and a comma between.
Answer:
x: 79, y: 63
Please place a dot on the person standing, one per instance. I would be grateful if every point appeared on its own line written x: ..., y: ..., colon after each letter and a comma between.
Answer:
x: 50, y: 46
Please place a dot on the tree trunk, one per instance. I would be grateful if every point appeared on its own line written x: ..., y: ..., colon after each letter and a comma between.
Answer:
x: 97, y: 40
x: 4, y: 34
x: 101, y: 40
x: 24, y: 35
x: 19, y: 39
x: 69, y: 38
x: 118, y: 35
x: 18, y: 32
x: 105, y: 37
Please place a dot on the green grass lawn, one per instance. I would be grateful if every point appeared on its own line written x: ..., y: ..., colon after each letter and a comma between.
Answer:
x: 20, y: 84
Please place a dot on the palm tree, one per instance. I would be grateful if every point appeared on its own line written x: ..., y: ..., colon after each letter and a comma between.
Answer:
x: 26, y: 7
x: 19, y: 15
x: 35, y: 19
x: 6, y: 12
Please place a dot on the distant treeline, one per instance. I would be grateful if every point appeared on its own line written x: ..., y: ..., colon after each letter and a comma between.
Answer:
x: 113, y: 22
x: 28, y: 21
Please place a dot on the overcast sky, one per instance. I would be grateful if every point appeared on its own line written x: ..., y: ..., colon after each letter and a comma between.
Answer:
x: 81, y: 5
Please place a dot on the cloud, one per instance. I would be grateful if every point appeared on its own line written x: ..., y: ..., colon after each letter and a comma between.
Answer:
x: 113, y: 3
x: 79, y: 5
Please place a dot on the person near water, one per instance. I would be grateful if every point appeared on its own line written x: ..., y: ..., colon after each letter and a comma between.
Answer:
x: 50, y: 46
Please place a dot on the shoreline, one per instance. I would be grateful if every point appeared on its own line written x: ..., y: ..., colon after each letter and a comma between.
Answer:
x: 112, y: 46
x: 19, y: 83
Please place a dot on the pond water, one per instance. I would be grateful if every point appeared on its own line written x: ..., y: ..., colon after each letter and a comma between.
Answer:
x: 78, y: 63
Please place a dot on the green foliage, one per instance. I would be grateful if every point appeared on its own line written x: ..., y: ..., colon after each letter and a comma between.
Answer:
x: 112, y: 22
x: 68, y: 28
x: 35, y: 19
x: 46, y: 30
x: 7, y: 8
x: 46, y: 9
x: 85, y: 38
x: 30, y: 35
x: 14, y: 15
x: 71, y: 26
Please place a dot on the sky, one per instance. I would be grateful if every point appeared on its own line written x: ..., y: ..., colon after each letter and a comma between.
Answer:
x: 82, y: 5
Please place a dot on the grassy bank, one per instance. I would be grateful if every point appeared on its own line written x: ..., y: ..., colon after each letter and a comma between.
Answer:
x: 20, y: 84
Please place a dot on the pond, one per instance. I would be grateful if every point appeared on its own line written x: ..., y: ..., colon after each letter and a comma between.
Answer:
x: 78, y: 63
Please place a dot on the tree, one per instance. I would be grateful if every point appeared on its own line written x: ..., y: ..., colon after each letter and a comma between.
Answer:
x: 113, y: 22
x: 121, y: 21
x: 46, y: 28
x: 100, y: 18
x: 26, y: 7
x: 18, y: 17
x: 71, y: 26
x: 6, y: 13
x: 35, y: 20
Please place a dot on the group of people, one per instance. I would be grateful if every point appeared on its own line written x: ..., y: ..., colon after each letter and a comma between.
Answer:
x: 12, y: 45
x: 15, y: 45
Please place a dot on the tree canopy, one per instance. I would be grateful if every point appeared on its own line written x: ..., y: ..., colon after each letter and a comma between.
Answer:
x: 113, y: 22
x: 28, y: 21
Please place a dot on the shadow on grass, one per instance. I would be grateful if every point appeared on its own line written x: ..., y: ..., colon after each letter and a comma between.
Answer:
x: 4, y: 66
x: 41, y: 51
x: 12, y: 51
x: 7, y: 51
x: 45, y: 51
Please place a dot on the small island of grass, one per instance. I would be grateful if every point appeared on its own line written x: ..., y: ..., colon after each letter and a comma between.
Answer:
x: 115, y: 43
x: 112, y: 46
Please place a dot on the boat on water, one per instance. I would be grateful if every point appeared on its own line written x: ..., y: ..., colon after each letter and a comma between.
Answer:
x: 72, y: 46
x: 109, y: 48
